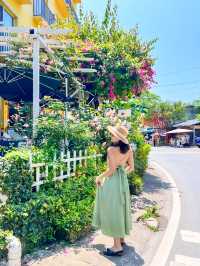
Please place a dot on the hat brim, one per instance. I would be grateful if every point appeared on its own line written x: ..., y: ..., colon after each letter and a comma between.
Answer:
x: 115, y: 133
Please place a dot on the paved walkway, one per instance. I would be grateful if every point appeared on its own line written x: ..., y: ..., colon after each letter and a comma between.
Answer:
x: 142, y: 243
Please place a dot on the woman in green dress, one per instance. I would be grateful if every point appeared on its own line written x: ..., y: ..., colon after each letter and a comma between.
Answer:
x: 112, y: 210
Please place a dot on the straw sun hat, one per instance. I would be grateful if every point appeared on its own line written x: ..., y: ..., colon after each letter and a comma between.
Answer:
x: 120, y: 132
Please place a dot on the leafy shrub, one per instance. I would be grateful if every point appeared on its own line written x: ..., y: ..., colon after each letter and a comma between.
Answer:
x: 141, y: 159
x: 30, y: 221
x: 79, y: 135
x: 136, y: 183
x: 15, y: 176
x: 63, y: 211
x: 52, y: 130
x: 142, y: 152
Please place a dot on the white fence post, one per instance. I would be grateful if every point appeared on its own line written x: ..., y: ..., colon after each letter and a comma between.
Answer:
x: 80, y: 155
x: 71, y: 163
x: 74, y: 162
x: 68, y: 164
x: 54, y: 168
x: 46, y: 170
x: 86, y: 155
x: 37, y: 179
x: 61, y: 170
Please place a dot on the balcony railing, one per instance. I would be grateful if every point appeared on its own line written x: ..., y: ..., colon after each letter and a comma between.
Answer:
x: 41, y: 9
x: 4, y: 47
x: 73, y: 11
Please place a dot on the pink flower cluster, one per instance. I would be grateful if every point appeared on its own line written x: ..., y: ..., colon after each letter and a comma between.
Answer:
x: 87, y: 46
x: 112, y: 94
x: 96, y: 124
x: 146, y: 74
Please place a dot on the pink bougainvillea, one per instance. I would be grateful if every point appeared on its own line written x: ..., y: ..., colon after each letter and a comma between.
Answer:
x: 111, y: 92
x: 146, y: 74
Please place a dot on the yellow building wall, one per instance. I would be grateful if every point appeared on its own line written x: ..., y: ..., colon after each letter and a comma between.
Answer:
x: 3, y: 114
x: 22, y: 12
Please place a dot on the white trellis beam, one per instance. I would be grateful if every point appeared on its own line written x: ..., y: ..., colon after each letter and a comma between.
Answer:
x: 38, y: 42
x: 41, y: 31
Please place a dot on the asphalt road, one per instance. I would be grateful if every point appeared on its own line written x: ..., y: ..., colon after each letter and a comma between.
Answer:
x: 184, y: 165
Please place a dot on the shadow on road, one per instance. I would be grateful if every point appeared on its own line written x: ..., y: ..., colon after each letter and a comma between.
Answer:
x: 154, y: 184
x: 130, y: 257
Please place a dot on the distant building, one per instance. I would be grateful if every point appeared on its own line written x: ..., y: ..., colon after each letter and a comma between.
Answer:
x: 193, y: 124
x: 35, y: 13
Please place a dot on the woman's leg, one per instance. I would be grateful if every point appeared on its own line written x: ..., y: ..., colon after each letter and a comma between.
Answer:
x: 122, y: 240
x: 117, y: 245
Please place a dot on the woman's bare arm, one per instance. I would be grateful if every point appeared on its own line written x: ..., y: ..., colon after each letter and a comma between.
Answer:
x: 131, y: 167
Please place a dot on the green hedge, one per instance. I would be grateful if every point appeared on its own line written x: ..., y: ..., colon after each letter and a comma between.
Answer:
x: 141, y: 159
x: 141, y: 162
x: 61, y: 210
x: 15, y: 176
x: 47, y: 218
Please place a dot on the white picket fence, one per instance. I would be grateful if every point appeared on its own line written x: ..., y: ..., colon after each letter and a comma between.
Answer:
x: 67, y: 167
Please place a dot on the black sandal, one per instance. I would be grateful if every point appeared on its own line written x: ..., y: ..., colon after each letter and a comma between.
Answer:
x: 110, y: 252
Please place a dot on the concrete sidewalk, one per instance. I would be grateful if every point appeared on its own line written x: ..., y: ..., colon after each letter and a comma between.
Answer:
x: 141, y: 244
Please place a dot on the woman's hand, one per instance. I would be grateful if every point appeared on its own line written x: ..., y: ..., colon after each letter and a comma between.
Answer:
x: 129, y: 169
x: 98, y: 182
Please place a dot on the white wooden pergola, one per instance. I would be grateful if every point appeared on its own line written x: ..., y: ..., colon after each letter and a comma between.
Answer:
x: 42, y: 38
x: 38, y: 41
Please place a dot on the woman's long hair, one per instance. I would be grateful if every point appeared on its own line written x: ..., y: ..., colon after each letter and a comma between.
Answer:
x: 122, y: 146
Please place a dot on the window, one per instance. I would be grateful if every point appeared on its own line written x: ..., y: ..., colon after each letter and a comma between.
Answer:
x: 5, y: 20
x: 1, y: 15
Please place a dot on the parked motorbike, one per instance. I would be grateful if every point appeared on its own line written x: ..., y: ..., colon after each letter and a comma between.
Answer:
x: 198, y: 141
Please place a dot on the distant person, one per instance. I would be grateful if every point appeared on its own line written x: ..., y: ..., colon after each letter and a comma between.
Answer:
x: 178, y: 142
x: 171, y: 141
x: 183, y: 140
x: 188, y: 139
x: 156, y: 139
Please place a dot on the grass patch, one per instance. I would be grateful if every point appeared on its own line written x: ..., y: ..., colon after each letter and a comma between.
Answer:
x: 150, y: 212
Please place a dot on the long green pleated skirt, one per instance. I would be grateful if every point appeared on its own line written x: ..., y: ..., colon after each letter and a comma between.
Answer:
x: 112, y: 209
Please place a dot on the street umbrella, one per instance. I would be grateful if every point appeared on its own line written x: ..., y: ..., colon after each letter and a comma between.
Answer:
x: 16, y: 84
x: 179, y: 131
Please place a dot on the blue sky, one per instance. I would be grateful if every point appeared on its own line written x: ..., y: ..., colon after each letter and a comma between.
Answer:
x: 176, y: 24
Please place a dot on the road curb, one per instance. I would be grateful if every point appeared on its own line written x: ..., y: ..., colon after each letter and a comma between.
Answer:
x: 166, y: 244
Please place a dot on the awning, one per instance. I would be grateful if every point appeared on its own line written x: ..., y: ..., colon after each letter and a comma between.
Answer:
x: 16, y: 84
x: 179, y: 131
x: 188, y: 123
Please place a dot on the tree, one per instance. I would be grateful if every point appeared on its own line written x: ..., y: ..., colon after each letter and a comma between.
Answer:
x: 196, y: 105
x: 163, y: 113
x: 123, y: 61
x: 179, y: 113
